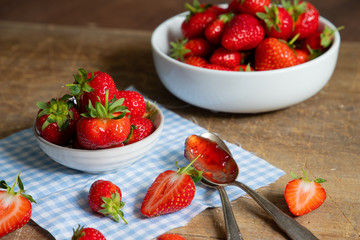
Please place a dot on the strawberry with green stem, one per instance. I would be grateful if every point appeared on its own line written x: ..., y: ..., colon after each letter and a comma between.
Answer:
x: 274, y: 53
x: 57, y: 119
x: 243, y: 32
x: 252, y: 6
x: 91, y: 87
x: 198, y: 18
x: 303, y: 196
x: 214, y: 31
x: 87, y: 233
x: 105, y: 198
x: 104, y: 126
x: 184, y: 48
x: 171, y: 191
x: 278, y: 22
x: 15, y: 207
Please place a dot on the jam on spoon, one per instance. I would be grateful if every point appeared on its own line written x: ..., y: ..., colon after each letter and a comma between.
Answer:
x: 217, y: 165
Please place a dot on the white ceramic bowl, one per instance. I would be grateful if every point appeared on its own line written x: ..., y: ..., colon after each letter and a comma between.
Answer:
x: 103, y: 160
x: 239, y: 92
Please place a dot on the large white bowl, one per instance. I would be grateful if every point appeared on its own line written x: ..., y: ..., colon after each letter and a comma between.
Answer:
x: 103, y: 160
x: 239, y: 92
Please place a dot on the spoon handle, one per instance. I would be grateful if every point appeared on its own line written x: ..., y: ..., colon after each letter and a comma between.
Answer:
x: 232, y: 229
x: 289, y: 225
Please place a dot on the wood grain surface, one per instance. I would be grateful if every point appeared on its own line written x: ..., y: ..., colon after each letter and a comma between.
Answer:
x: 321, y: 134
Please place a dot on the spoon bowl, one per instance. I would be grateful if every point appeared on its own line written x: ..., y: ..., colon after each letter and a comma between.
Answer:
x: 220, y: 168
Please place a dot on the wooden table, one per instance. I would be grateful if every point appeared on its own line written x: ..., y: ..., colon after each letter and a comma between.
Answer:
x: 321, y: 134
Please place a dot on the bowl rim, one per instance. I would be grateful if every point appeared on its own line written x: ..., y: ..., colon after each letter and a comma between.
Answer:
x: 165, y: 25
x: 125, y: 147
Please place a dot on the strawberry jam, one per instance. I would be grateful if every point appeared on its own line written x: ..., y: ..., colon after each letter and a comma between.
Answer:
x: 217, y: 165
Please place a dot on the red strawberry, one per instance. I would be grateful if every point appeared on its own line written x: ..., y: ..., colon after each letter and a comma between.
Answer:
x: 105, y: 198
x: 171, y: 191
x: 303, y: 196
x: 278, y: 22
x: 141, y: 128
x: 305, y: 17
x: 185, y: 48
x: 214, y: 31
x: 134, y: 101
x: 170, y: 236
x: 243, y: 68
x: 82, y: 233
x: 320, y: 41
x: 302, y: 55
x: 91, y: 87
x: 216, y: 67
x: 244, y: 32
x: 56, y: 120
x: 196, y: 61
x: 252, y: 6
x: 15, y: 207
x: 103, y: 126
x: 198, y: 18
x: 226, y: 58
x: 273, y: 53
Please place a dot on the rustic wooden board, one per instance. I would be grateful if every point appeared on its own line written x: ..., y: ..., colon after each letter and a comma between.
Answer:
x: 321, y: 134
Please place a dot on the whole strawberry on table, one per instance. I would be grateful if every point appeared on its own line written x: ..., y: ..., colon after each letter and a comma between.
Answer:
x: 95, y: 114
x: 251, y: 35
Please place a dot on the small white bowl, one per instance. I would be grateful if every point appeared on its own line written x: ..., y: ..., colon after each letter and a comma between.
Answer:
x: 103, y: 160
x: 239, y: 92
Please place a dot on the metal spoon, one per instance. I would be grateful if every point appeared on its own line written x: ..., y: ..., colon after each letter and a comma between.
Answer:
x: 232, y: 228
x: 289, y: 225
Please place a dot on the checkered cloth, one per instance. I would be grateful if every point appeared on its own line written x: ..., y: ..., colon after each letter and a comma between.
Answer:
x: 61, y: 193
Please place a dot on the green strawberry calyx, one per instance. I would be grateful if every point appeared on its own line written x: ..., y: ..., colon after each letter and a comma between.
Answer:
x: 110, y: 110
x: 112, y: 206
x: 195, y: 8
x: 306, y: 179
x: 178, y: 50
x: 189, y: 170
x: 11, y: 190
x: 58, y: 111
x: 81, y: 84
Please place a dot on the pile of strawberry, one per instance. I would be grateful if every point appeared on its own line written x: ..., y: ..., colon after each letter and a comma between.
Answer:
x: 95, y: 115
x: 251, y: 35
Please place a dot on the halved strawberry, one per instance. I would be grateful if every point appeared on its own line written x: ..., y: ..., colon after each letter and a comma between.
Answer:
x: 303, y: 196
x: 15, y: 207
x: 171, y: 191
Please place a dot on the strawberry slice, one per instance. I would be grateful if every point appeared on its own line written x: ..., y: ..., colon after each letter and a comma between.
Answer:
x: 171, y: 191
x: 303, y: 196
x: 15, y: 207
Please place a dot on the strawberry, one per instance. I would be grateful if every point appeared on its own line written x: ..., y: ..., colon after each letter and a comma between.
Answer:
x: 303, y: 196
x: 305, y: 17
x: 273, y: 53
x: 302, y: 55
x: 320, y: 41
x: 105, y: 198
x: 226, y: 58
x: 103, y: 126
x: 184, y: 48
x: 216, y: 67
x: 244, y: 32
x: 278, y: 22
x: 91, y: 87
x: 243, y: 68
x: 198, y: 18
x: 141, y: 128
x: 56, y: 120
x: 252, y: 6
x: 171, y: 191
x: 196, y: 61
x: 86, y: 233
x: 15, y: 207
x: 134, y: 101
x: 170, y: 236
x: 214, y: 31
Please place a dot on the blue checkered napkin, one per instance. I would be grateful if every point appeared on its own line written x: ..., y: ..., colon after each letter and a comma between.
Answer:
x: 61, y: 193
